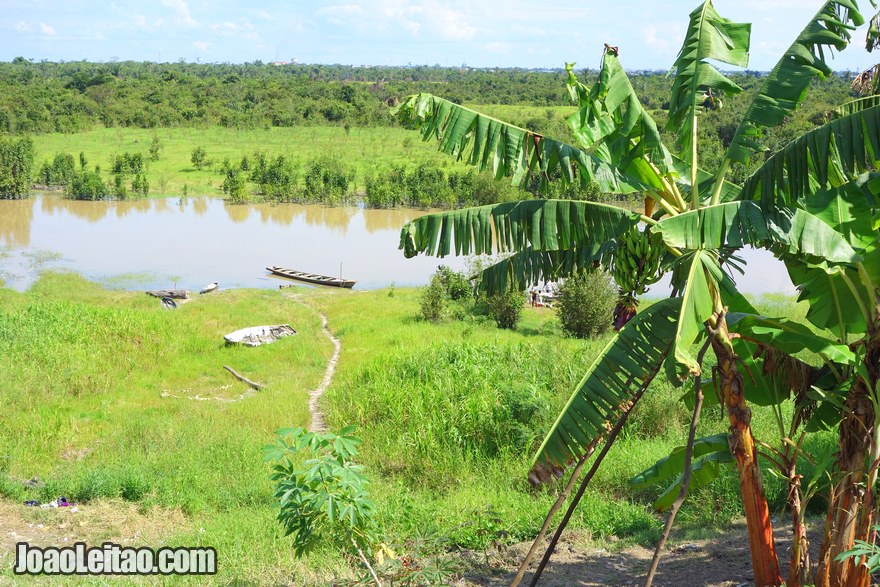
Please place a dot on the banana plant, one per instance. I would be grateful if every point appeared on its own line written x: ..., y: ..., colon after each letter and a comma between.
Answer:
x: 691, y: 221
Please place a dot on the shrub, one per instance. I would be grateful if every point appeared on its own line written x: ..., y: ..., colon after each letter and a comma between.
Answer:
x: 432, y: 300
x: 455, y: 283
x: 586, y: 303
x: 87, y: 185
x: 328, y: 180
x: 155, y: 147
x: 505, y: 309
x: 235, y: 186
x: 16, y: 165
x: 199, y: 157
x: 58, y: 173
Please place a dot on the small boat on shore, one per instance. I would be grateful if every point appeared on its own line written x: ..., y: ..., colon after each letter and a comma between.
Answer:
x: 311, y: 277
x: 257, y: 335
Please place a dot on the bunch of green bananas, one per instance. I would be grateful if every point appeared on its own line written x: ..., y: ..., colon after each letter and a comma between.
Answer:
x: 636, y: 263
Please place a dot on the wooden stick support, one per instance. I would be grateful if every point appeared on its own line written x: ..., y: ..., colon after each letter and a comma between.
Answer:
x: 241, y: 377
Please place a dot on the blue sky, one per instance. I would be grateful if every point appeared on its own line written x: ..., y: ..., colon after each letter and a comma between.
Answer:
x: 392, y: 32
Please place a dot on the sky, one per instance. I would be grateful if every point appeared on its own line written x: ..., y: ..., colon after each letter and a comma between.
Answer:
x: 490, y: 33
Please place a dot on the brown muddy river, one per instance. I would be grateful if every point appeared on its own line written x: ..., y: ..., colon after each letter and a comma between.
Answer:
x: 187, y: 243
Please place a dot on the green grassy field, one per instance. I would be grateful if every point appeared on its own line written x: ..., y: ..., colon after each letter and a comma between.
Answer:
x: 96, y: 401
x: 367, y: 150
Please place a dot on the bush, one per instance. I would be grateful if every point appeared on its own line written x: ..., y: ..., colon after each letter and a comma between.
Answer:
x: 16, y: 167
x: 87, y: 185
x: 455, y: 283
x: 235, y: 186
x: 199, y: 158
x: 505, y: 309
x: 328, y: 180
x: 432, y: 300
x: 586, y: 303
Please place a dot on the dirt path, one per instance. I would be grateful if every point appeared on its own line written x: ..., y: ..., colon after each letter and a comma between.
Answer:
x: 721, y: 560
x: 315, y: 410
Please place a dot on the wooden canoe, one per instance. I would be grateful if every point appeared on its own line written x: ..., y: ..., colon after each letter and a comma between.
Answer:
x: 257, y: 335
x: 311, y: 277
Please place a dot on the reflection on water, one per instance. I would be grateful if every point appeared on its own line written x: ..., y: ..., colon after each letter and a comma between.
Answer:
x: 197, y: 240
x: 15, y: 222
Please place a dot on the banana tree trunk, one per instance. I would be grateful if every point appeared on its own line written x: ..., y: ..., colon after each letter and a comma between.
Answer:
x: 765, y: 562
x: 851, y: 513
x: 799, y: 566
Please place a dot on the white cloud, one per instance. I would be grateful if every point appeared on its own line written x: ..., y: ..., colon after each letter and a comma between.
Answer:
x: 181, y: 11
x: 23, y: 27
x: 201, y: 45
x: 47, y: 29
x: 341, y: 10
x: 498, y: 47
x: 451, y: 24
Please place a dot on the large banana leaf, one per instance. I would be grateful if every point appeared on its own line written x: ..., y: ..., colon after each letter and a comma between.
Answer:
x: 627, y: 364
x: 849, y: 209
x: 697, y: 83
x: 735, y: 224
x: 832, y: 304
x: 611, y: 118
x: 529, y: 267
x: 786, y: 85
x: 857, y: 105
x: 543, y: 225
x: 708, y: 453
x: 828, y: 156
x: 788, y: 337
x: 510, y: 151
x: 703, y: 281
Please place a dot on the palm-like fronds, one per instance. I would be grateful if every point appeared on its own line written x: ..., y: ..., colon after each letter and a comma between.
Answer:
x: 831, y: 155
x: 736, y: 224
x: 543, y: 225
x: 697, y: 83
x: 508, y: 150
x: 786, y: 85
x: 627, y: 364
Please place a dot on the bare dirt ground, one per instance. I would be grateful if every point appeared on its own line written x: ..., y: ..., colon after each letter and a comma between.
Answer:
x: 721, y: 560
x: 97, y: 522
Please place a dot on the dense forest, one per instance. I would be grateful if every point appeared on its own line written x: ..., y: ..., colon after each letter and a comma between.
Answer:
x: 70, y: 97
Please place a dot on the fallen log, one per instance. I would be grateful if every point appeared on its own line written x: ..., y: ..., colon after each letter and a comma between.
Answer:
x: 244, y: 379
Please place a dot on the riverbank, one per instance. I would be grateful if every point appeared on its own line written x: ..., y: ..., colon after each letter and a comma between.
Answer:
x: 97, y: 403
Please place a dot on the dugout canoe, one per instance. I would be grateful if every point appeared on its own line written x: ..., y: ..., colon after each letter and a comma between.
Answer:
x: 310, y: 277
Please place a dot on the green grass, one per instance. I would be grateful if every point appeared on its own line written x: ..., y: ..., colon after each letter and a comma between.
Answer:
x: 450, y: 415
x: 167, y: 177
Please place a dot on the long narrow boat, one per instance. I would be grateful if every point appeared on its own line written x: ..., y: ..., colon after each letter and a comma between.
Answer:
x: 311, y: 277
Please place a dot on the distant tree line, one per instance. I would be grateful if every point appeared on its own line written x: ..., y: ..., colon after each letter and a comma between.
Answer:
x: 38, y: 97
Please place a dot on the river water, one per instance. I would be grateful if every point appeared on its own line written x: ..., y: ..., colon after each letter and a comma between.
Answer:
x: 189, y: 242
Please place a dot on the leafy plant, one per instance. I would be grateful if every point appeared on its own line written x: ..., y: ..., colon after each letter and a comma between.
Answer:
x: 432, y: 300
x: 199, y: 158
x: 506, y: 308
x: 585, y: 304
x: 865, y: 552
x: 324, y: 498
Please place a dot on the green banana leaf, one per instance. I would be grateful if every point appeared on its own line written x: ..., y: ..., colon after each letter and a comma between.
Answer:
x: 508, y: 150
x: 529, y: 267
x: 697, y: 83
x: 697, y: 306
x: 543, y: 225
x: 709, y: 453
x: 786, y: 85
x: 735, y: 224
x: 826, y: 157
x: 788, y: 337
x: 848, y: 209
x: 832, y: 305
x: 857, y: 105
x: 627, y: 364
x: 611, y: 116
